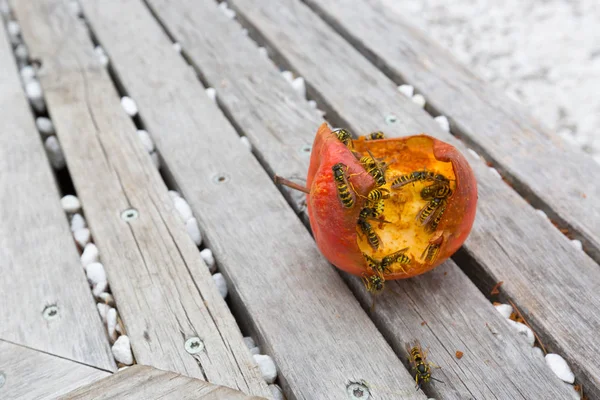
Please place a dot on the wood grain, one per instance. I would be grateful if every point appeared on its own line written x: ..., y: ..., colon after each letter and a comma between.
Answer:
x: 150, y: 261
x: 553, y: 283
x: 31, y: 374
x: 39, y: 261
x: 495, y: 365
x: 146, y: 383
x: 293, y: 301
x: 539, y: 164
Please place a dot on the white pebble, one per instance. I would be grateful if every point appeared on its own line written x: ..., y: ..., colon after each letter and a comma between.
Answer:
x: 4, y: 8
x: 192, y: 228
x: 33, y: 89
x: 177, y: 47
x: 221, y: 284
x: 103, y: 310
x: 494, y: 171
x: 183, y: 208
x: 95, y: 273
x: 407, y: 90
x: 474, y: 153
x: 146, y: 140
x: 106, y: 298
x: 226, y: 10
x: 419, y: 100
x: 101, y: 56
x: 245, y: 32
x: 312, y: 104
x: 99, y: 288
x: 504, y: 309
x: 537, y: 352
x: 174, y: 194
x: 299, y: 86
x: 155, y: 159
x: 542, y: 213
x: 288, y: 76
x: 443, y: 123
x: 209, y: 259
x: 82, y: 237
x: 55, y: 154
x: 70, y: 204
x: 89, y: 255
x: 276, y: 392
x: 75, y: 8
x: 27, y: 74
x: 122, y: 350
x: 45, y: 126
x: 246, y: 142
x: 21, y: 53
x: 263, y: 52
x: 212, y: 94
x: 267, y: 367
x: 559, y: 366
x: 111, y: 324
x: 129, y: 106
x: 577, y: 244
x: 523, y: 330
x: 254, y: 350
x: 14, y: 31
x: 249, y: 342
x: 77, y: 222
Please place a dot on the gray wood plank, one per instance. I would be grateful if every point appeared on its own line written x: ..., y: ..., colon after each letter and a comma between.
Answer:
x: 149, y: 260
x: 294, y: 302
x: 29, y: 374
x: 553, y: 283
x: 265, y: 108
x: 146, y: 383
x: 540, y: 165
x: 39, y: 261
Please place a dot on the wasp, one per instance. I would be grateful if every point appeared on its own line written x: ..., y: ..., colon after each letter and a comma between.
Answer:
x: 417, y: 359
x: 344, y: 136
x: 397, y: 257
x: 432, y: 210
x: 374, y: 283
x: 367, y: 229
x: 375, y: 136
x: 378, y: 194
x: 432, y: 250
x: 438, y: 217
x: 345, y: 195
x: 417, y: 176
x: 439, y: 190
x: 374, y: 168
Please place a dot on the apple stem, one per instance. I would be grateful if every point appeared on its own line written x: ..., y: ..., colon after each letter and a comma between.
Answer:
x: 290, y: 184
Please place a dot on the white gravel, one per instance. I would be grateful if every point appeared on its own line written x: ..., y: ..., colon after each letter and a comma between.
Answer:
x: 495, y: 172
x: 111, y: 324
x: 146, y: 140
x: 276, y: 392
x: 419, y: 100
x: 212, y: 94
x: 246, y: 142
x: 537, y: 352
x: 177, y: 47
x: 14, y: 32
x: 443, y: 122
x: 34, y: 93
x: 27, y: 74
x: 183, y: 208
x: 209, y: 259
x: 226, y: 10
x: 288, y: 76
x: 70, y: 204
x: 122, y: 350
x: 95, y: 273
x: 263, y: 52
x: 77, y: 222
x: 99, y: 288
x: 312, y: 104
x: 45, y: 126
x: 82, y: 237
x: 129, y: 106
x: 249, y: 342
x: 267, y: 367
x: 407, y: 90
x: 192, y: 228
x: 103, y: 310
x: 504, y: 309
x: 89, y: 255
x: 577, y: 244
x: 55, y: 154
x: 174, y: 194
x: 221, y: 284
x: 255, y: 350
x: 559, y: 366
x: 542, y: 213
x: 155, y: 159
x: 21, y: 53
x: 106, y: 298
x: 544, y: 54
x: 299, y: 86
x: 523, y: 330
x: 101, y: 56
x: 474, y: 153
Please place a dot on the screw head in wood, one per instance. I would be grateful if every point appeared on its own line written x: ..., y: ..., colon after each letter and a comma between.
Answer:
x: 220, y: 178
x: 358, y: 391
x: 306, y: 149
x: 194, y: 345
x: 391, y: 119
x: 50, y: 312
x: 130, y: 214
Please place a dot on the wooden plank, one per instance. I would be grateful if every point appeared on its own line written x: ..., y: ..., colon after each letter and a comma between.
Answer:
x: 29, y: 374
x: 146, y: 383
x: 40, y: 263
x: 247, y: 85
x: 292, y: 300
x: 550, y: 173
x: 164, y: 291
x: 553, y: 283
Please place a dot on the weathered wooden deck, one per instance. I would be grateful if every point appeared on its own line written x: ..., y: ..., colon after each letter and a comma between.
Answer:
x: 311, y: 319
